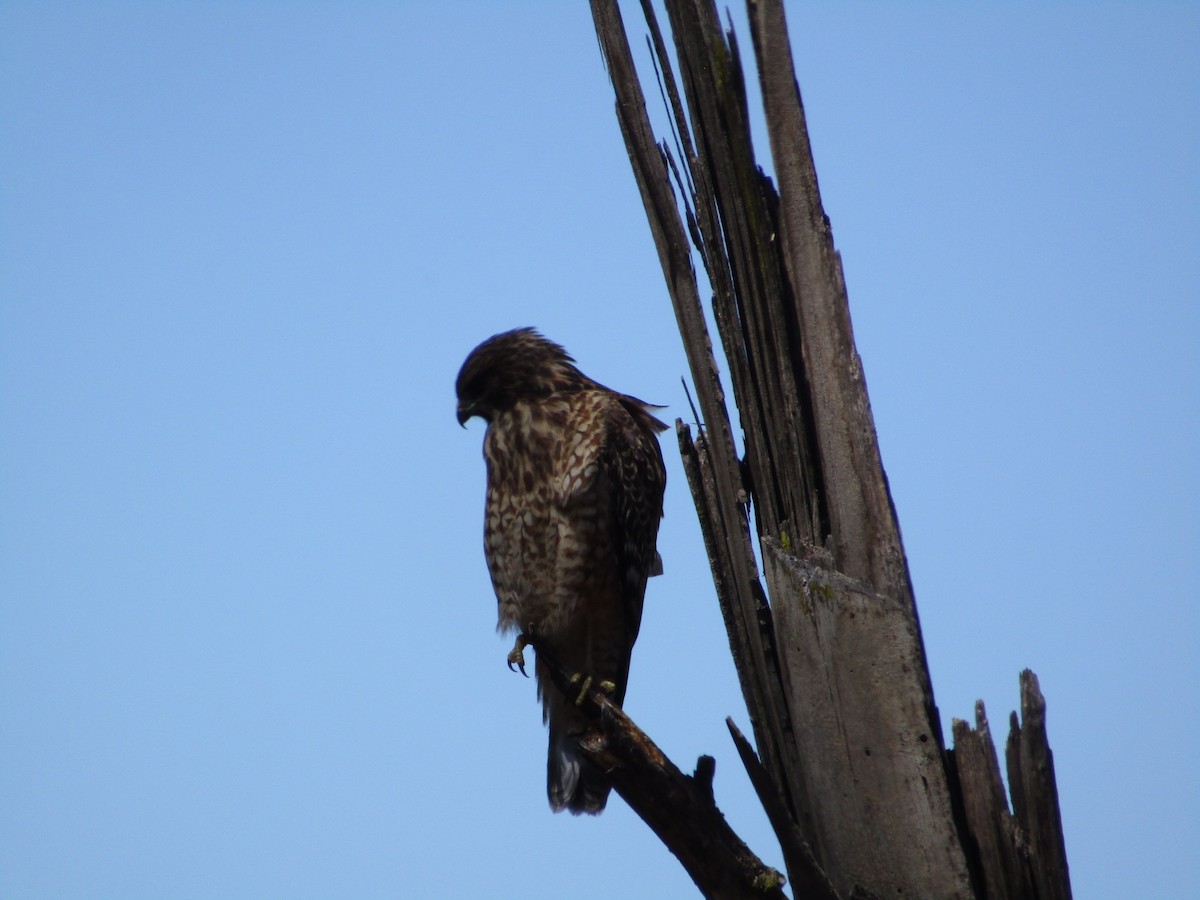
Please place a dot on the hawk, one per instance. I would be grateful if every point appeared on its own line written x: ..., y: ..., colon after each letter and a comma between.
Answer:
x: 575, y: 482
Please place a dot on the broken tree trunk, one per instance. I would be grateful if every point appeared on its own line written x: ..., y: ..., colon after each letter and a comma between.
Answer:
x: 854, y: 771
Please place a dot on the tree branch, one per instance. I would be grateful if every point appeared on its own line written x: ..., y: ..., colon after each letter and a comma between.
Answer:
x: 679, y: 808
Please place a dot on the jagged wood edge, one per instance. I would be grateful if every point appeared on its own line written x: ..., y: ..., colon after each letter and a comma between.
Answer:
x: 740, y: 593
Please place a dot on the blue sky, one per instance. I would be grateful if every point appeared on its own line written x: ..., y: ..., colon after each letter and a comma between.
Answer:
x: 246, y: 631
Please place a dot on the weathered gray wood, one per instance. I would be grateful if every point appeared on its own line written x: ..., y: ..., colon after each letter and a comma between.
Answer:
x: 769, y: 309
x: 724, y: 502
x: 832, y: 666
x: 873, y: 766
x: 1031, y: 779
x: 735, y: 207
x: 1020, y: 854
x: 1001, y: 851
x: 863, y: 527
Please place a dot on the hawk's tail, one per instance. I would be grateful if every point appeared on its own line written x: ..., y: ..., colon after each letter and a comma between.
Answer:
x: 571, y: 781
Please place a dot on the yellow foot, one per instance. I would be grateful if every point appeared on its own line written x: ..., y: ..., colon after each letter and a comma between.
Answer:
x: 586, y: 682
x: 516, y: 657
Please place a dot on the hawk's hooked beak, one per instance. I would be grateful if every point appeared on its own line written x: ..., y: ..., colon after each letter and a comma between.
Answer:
x: 464, y: 413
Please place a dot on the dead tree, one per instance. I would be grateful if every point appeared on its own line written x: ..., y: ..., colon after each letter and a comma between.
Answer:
x: 851, y: 764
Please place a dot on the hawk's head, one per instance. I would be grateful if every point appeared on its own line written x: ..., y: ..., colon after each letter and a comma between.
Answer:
x: 510, y: 367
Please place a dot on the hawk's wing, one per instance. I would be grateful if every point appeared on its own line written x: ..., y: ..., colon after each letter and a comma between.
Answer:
x: 633, y: 464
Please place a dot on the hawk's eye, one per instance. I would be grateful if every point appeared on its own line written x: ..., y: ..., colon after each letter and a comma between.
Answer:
x: 473, y: 387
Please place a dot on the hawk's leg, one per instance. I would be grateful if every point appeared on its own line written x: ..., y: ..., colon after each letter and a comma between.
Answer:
x: 585, y: 683
x: 516, y: 656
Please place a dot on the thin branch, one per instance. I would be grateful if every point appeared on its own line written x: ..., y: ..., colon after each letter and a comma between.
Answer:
x: 811, y: 881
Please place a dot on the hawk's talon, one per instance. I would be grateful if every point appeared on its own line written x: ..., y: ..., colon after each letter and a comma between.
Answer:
x: 587, y: 682
x: 516, y: 656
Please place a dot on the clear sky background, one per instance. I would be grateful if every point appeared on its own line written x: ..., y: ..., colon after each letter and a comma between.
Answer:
x: 246, y: 631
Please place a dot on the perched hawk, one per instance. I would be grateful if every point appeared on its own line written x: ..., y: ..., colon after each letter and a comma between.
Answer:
x: 574, y: 497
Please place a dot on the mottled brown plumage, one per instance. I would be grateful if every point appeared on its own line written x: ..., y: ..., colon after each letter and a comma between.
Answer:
x: 574, y: 497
